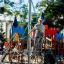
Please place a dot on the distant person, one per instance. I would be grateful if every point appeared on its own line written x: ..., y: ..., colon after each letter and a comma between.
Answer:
x: 58, y: 38
x: 62, y: 34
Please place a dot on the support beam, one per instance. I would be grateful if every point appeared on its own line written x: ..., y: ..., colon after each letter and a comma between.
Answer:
x: 29, y: 36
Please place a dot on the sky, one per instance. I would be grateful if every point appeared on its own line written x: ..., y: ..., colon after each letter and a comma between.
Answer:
x: 26, y: 2
x: 16, y: 7
x: 34, y: 1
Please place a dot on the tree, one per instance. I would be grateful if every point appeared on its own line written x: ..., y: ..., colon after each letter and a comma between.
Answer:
x: 4, y: 9
x: 62, y: 1
x: 41, y: 6
x: 34, y: 19
x: 24, y: 11
x: 54, y: 13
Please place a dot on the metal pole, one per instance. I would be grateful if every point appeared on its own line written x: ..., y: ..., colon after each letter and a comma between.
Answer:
x: 6, y: 29
x: 29, y: 36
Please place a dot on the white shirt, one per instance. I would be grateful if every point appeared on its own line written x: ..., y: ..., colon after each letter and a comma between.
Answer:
x: 40, y: 28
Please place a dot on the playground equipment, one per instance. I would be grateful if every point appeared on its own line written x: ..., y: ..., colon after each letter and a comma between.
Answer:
x: 18, y: 55
x: 17, y: 47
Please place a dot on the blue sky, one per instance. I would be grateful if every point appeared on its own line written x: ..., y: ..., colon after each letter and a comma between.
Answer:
x: 26, y: 2
x: 34, y: 1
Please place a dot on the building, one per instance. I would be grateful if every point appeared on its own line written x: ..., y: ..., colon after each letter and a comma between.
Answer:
x: 5, y: 24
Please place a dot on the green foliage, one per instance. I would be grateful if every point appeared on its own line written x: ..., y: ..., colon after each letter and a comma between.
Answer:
x: 4, y: 9
x: 53, y: 12
x: 2, y: 38
x: 55, y: 9
x: 34, y: 19
x: 25, y: 11
x: 9, y: 2
x: 22, y: 24
x: 42, y: 3
x: 61, y: 1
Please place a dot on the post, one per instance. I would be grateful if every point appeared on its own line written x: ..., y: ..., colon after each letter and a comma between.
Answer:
x: 6, y: 29
x: 29, y: 36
